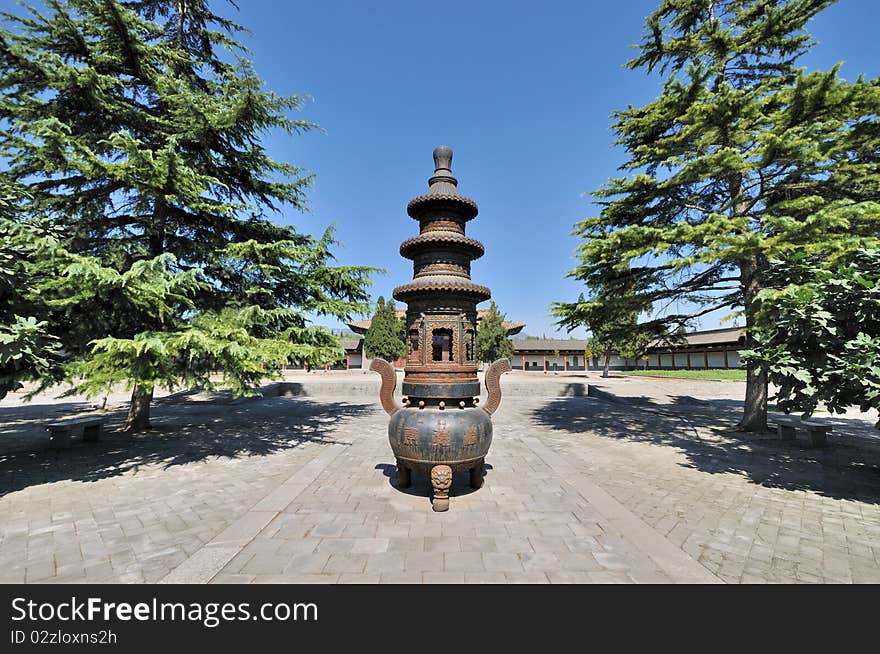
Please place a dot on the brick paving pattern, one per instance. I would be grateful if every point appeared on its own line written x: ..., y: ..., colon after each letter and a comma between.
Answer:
x: 578, y: 490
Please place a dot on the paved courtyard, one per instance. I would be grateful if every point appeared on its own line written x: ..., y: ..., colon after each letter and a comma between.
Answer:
x: 638, y: 484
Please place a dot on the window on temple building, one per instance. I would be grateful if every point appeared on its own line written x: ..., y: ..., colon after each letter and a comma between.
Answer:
x: 441, y: 344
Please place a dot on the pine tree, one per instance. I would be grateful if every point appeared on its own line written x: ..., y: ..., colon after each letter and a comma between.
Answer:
x: 492, y: 341
x: 385, y: 339
x: 28, y: 348
x: 742, y: 157
x: 599, y: 345
x: 143, y: 145
x: 611, y: 317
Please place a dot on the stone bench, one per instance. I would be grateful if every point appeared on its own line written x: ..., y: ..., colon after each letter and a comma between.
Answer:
x: 62, y: 432
x: 817, y: 433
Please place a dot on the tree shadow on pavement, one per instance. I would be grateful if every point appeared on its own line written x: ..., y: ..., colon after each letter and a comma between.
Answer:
x: 849, y: 468
x: 182, y: 433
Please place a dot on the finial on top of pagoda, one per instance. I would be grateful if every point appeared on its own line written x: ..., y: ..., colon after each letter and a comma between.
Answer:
x: 442, y: 188
x: 442, y: 182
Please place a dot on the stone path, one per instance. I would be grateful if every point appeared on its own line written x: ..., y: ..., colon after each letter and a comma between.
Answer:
x: 132, y: 509
x: 749, y: 511
x: 579, y: 490
x: 528, y: 524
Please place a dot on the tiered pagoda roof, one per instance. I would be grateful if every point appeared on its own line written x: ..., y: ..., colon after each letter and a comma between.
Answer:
x: 441, y: 253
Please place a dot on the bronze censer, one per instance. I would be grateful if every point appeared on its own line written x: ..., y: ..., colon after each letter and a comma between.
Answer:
x: 441, y: 429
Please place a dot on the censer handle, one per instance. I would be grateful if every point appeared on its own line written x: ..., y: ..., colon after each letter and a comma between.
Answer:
x: 493, y: 384
x: 389, y: 382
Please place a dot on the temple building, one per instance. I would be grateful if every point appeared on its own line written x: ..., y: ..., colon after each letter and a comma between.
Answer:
x: 354, y: 358
x: 713, y: 348
x: 361, y: 326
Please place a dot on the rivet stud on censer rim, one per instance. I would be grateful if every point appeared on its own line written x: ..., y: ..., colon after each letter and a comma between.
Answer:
x: 441, y: 328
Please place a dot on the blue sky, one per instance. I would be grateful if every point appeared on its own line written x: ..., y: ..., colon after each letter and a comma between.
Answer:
x: 522, y: 91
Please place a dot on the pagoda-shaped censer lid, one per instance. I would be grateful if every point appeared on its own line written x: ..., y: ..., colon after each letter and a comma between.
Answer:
x: 441, y: 317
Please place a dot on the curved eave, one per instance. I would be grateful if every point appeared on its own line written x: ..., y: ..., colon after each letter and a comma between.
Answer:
x: 359, y: 326
x: 458, y: 286
x: 436, y: 240
x: 513, y: 327
x: 465, y: 207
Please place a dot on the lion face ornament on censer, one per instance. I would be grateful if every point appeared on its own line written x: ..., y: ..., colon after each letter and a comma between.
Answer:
x: 441, y: 429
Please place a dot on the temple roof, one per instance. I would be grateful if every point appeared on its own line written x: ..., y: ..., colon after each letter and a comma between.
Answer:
x: 548, y: 345
x: 712, y: 337
x: 707, y: 338
x: 352, y: 343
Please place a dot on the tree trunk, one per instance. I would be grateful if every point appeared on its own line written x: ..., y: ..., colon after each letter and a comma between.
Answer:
x: 755, y: 409
x: 139, y: 411
x: 605, y: 367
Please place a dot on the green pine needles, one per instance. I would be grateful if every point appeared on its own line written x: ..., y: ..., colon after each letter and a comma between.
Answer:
x: 136, y: 129
x: 28, y: 348
x: 742, y: 158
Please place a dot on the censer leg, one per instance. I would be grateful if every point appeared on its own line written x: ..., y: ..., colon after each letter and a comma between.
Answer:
x: 477, y: 475
x: 404, y: 478
x: 441, y: 480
